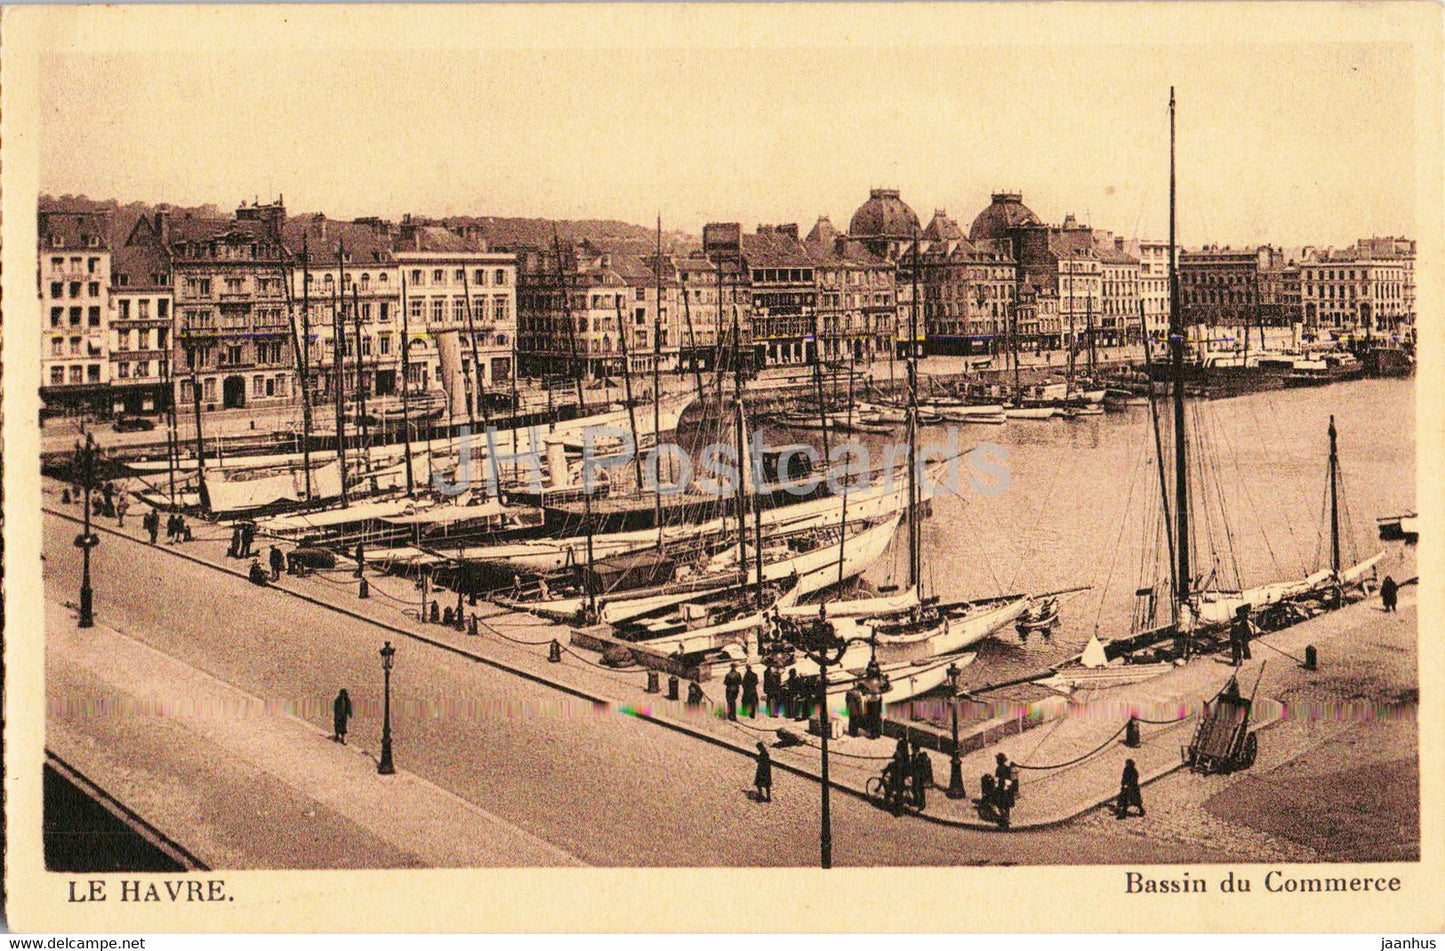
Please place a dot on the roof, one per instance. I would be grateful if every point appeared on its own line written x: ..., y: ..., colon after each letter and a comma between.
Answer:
x: 823, y: 232
x: 883, y: 215
x: 320, y: 238
x: 140, y: 267
x: 72, y: 230
x: 772, y: 249
x: 1006, y: 212
x: 1115, y: 256
x: 942, y: 228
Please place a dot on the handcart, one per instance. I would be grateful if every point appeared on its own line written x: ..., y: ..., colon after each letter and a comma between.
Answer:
x: 1222, y: 741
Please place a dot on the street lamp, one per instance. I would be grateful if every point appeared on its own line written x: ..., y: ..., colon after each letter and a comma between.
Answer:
x: 955, y: 764
x: 384, y: 766
x: 85, y: 541
x: 820, y: 643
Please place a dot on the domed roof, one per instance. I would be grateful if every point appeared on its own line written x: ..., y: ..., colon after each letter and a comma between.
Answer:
x: 1006, y: 212
x: 883, y: 215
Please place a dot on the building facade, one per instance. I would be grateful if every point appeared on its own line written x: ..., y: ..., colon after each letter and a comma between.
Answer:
x: 141, y: 296
x: 74, y: 267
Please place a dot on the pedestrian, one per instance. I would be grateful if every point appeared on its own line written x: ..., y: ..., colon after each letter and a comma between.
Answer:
x: 922, y: 777
x: 185, y: 529
x: 277, y: 561
x: 789, y: 693
x: 763, y: 777
x: 435, y: 615
x: 694, y: 694
x: 257, y: 574
x: 1129, y: 794
x: 65, y: 496
x: 896, y: 774
x: 234, y: 549
x: 1239, y: 631
x: 1389, y: 593
x: 171, y: 527
x: 853, y: 701
x: 361, y: 559
x: 772, y: 686
x: 732, y: 686
x: 750, y: 692
x: 248, y: 536
x: 152, y: 521
x: 122, y: 506
x: 340, y: 713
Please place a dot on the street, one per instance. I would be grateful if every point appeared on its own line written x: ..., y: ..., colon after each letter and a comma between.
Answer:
x: 599, y: 786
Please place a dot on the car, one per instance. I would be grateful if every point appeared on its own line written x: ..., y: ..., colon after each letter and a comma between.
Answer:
x: 133, y: 424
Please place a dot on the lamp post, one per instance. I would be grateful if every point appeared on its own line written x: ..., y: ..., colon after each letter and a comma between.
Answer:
x: 955, y: 765
x: 85, y: 541
x: 384, y: 766
x: 820, y: 643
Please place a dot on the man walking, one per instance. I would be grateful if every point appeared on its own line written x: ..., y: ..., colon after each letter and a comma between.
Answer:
x: 152, y: 522
x: 1129, y: 794
x: 1389, y: 593
x: 1239, y: 632
x: 340, y: 713
x: 277, y: 562
x: 750, y: 693
x: 732, y: 685
x: 122, y: 506
x: 922, y: 777
x: 763, y: 777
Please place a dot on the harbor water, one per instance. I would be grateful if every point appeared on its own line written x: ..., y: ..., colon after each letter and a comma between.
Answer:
x: 1081, y: 503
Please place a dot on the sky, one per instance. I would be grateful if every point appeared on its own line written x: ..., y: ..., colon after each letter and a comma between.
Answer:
x: 1289, y: 143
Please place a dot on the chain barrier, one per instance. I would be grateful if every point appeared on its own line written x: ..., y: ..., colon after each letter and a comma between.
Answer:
x: 1076, y: 759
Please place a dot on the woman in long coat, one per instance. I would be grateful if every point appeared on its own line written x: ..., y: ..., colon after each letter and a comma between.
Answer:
x: 763, y: 778
x: 340, y: 713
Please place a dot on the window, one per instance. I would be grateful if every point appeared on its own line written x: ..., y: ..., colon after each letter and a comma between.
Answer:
x: 365, y: 280
x: 122, y: 340
x: 92, y: 289
x: 57, y: 264
x: 384, y: 343
x: 143, y: 309
x: 438, y: 310
x: 57, y: 289
x: 366, y: 311
x: 459, y: 275
x: 459, y: 309
x: 57, y: 346
x: 57, y: 376
x: 500, y: 309
x: 479, y: 277
x: 92, y: 373
x: 208, y: 390
x: 500, y: 278
x: 381, y: 278
x: 75, y: 316
x: 163, y: 308
x: 75, y: 346
x: 384, y: 309
x: 57, y: 316
x: 77, y: 375
x: 415, y: 307
x: 416, y: 278
x: 436, y: 276
x: 258, y: 386
x: 122, y: 371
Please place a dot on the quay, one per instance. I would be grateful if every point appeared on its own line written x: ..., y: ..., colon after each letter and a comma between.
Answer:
x: 1080, y: 731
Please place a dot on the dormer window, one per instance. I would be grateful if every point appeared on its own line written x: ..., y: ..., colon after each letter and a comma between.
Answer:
x: 56, y: 241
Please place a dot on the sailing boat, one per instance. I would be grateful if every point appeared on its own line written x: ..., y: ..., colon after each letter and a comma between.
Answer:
x: 1201, y: 613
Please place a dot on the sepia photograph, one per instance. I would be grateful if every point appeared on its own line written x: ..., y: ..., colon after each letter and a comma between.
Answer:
x: 701, y: 437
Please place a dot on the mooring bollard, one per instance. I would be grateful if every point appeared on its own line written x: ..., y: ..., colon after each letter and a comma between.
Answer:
x: 1311, y: 658
x: 672, y: 687
x: 363, y: 589
x: 554, y: 653
x: 652, y: 685
x: 1131, y: 733
x: 472, y: 626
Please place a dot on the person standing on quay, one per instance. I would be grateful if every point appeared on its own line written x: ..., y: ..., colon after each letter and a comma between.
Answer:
x: 340, y: 713
x: 922, y: 777
x: 1129, y: 794
x: 152, y: 521
x: 763, y: 777
x: 122, y: 506
x: 1389, y: 594
x: 277, y: 562
x: 750, y: 692
x: 772, y: 686
x: 732, y: 684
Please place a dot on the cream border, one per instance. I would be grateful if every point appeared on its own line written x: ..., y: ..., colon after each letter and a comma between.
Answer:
x: 1045, y: 899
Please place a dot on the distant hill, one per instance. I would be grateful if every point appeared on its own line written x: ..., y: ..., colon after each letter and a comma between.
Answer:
x: 499, y: 232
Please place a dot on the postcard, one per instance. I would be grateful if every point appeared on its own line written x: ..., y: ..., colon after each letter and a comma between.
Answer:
x: 714, y: 467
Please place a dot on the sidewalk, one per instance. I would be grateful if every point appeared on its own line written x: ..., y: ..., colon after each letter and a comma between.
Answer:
x: 302, y: 783
x: 519, y: 644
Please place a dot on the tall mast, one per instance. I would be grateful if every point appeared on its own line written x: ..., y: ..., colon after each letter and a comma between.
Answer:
x: 656, y: 382
x: 200, y: 437
x: 914, y: 534
x: 571, y: 331
x: 627, y: 392
x: 1176, y: 357
x: 360, y: 374
x: 1334, y: 502
x: 1014, y: 338
x: 406, y: 387
x: 1089, y: 329
x: 691, y: 337
x: 338, y: 370
x: 303, y: 357
x: 744, y: 459
x: 478, y: 395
